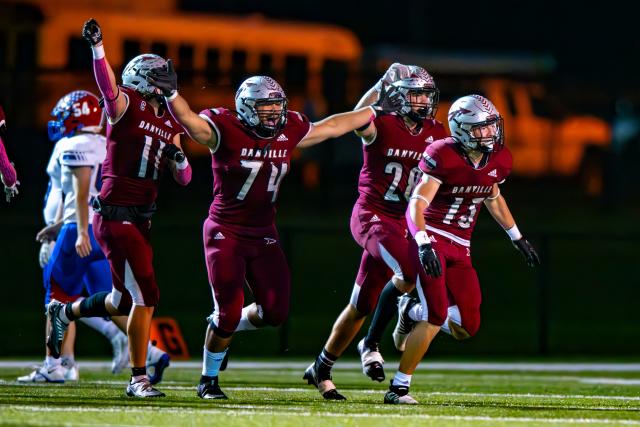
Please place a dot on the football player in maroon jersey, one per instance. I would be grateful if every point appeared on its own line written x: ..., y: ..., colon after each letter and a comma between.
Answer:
x: 459, y: 173
x: 392, y: 146
x: 142, y: 140
x: 251, y: 151
x: 7, y: 171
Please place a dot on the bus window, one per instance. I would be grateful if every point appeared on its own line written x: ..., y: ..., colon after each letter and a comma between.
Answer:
x: 238, y: 67
x: 26, y: 54
x: 130, y: 49
x: 295, y: 73
x: 212, y: 66
x: 79, y: 58
x: 334, y: 84
x: 159, y: 49
x: 4, y: 49
x: 185, y: 62
x: 266, y: 65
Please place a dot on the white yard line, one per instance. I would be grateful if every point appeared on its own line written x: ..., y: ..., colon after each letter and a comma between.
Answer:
x: 426, y: 366
x: 173, y: 385
x: 240, y: 410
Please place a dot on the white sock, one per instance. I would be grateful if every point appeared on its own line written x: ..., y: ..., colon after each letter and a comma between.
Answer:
x: 402, y: 379
x: 51, y: 362
x: 211, y: 362
x: 102, y: 325
x: 245, y: 324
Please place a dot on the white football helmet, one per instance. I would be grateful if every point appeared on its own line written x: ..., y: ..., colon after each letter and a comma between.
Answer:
x: 419, y: 82
x: 258, y: 90
x: 134, y: 73
x: 473, y: 112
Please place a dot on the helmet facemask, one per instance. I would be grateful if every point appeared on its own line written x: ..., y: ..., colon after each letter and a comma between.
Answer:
x: 257, y: 101
x: 270, y: 114
x: 421, y: 95
x: 418, y: 109
x: 486, y: 136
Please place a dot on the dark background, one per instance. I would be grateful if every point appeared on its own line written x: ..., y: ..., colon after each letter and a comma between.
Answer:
x: 582, y: 301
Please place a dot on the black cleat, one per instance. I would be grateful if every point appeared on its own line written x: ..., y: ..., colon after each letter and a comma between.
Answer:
x: 326, y: 387
x: 211, y: 390
x: 57, y: 327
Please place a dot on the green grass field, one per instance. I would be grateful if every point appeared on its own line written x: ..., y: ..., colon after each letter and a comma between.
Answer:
x: 492, y: 394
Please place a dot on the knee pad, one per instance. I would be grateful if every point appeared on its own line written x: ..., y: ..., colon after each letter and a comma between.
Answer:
x: 457, y: 331
x: 95, y: 305
x: 122, y: 302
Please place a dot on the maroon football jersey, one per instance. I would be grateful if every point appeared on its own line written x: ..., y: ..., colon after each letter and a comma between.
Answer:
x: 134, y: 159
x: 454, y: 209
x: 248, y: 169
x: 390, y: 168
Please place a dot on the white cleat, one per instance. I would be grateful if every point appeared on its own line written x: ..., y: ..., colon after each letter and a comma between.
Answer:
x: 405, y: 324
x: 372, y: 361
x: 44, y: 375
x: 120, y: 344
x: 143, y: 389
x: 399, y: 395
x: 71, y: 371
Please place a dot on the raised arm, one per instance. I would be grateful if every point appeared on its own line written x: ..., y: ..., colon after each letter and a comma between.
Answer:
x: 422, y: 196
x: 497, y: 206
x: 197, y: 128
x: 114, y: 101
x: 390, y: 100
x: 394, y: 73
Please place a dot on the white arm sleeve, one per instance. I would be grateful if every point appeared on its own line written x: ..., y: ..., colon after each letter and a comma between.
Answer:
x: 52, y: 200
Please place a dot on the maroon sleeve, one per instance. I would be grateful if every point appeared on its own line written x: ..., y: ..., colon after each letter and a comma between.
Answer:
x: 215, y: 117
x: 433, y: 161
x: 298, y: 125
x: 505, y: 164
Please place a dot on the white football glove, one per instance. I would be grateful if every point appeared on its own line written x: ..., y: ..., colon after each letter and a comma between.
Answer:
x: 46, y: 249
x: 394, y: 73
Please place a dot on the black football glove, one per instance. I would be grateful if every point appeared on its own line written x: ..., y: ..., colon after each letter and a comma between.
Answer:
x: 390, y: 100
x: 527, y: 250
x: 164, y: 79
x: 91, y: 32
x: 429, y: 260
x: 172, y: 152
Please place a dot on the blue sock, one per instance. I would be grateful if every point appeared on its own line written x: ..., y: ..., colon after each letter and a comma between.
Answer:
x: 211, y: 362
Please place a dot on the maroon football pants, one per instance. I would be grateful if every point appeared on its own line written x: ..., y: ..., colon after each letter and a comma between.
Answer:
x: 458, y: 285
x: 388, y: 251
x: 234, y: 260
x: 127, y: 246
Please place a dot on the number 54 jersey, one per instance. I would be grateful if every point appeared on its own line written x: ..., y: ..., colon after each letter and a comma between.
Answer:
x: 463, y: 187
x: 248, y: 170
